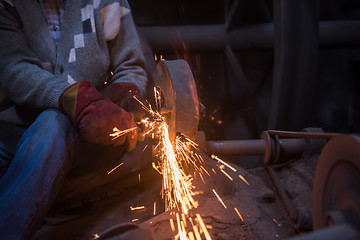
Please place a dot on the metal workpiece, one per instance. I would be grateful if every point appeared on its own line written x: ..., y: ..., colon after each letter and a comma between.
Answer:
x: 272, y: 148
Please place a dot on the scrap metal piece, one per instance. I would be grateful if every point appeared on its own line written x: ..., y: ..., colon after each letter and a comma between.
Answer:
x: 336, y: 188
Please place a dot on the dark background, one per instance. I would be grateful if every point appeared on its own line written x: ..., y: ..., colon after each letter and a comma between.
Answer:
x: 329, y: 98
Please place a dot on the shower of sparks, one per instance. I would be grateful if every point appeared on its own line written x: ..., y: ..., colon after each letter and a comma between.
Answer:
x: 109, y: 172
x: 220, y: 200
x: 174, y: 159
x: 238, y: 213
x: 154, y: 208
x: 135, y: 220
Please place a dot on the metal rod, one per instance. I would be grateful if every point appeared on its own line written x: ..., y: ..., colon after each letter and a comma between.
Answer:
x: 291, y: 134
x: 284, y: 197
x: 236, y: 147
x: 292, y: 146
x: 253, y: 147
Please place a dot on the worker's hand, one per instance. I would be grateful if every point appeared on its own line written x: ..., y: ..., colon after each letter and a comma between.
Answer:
x: 96, y: 116
x: 123, y: 95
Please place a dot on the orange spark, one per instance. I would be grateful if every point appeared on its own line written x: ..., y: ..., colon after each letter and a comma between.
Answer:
x: 238, y: 213
x: 191, y: 236
x: 201, y: 177
x: 206, y: 233
x: 242, y: 178
x: 136, y: 208
x: 172, y: 224
x: 225, y: 173
x: 274, y: 220
x: 118, y: 133
x: 205, y: 171
x: 197, y: 234
x: 220, y: 200
x: 109, y: 172
x: 218, y: 159
x: 95, y: 236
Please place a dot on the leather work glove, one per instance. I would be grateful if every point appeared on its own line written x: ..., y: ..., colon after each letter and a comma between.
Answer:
x: 96, y: 115
x: 123, y: 95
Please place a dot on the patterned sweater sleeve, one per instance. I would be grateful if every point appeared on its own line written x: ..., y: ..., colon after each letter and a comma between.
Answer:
x: 127, y: 60
x: 22, y: 76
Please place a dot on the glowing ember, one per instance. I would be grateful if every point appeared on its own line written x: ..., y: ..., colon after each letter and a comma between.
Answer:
x: 95, y: 236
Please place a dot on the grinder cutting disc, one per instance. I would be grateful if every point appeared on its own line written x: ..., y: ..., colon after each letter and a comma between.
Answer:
x: 181, y: 104
x: 336, y: 186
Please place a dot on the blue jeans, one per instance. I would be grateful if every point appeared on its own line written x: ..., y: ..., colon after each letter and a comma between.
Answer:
x: 33, y: 164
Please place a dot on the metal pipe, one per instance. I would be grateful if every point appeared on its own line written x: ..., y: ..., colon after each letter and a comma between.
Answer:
x: 317, y: 135
x: 213, y: 38
x: 236, y: 147
x: 292, y: 146
x: 254, y: 147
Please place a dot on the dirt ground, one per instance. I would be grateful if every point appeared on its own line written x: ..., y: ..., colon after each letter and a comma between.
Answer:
x: 263, y: 213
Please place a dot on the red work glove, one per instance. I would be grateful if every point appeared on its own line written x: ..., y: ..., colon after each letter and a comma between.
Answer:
x: 95, y: 115
x: 123, y: 95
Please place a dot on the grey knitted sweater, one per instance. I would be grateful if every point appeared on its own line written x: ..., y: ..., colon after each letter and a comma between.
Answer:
x: 98, y: 43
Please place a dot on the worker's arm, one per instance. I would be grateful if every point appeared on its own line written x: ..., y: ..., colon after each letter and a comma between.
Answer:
x: 22, y: 75
x: 127, y: 60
